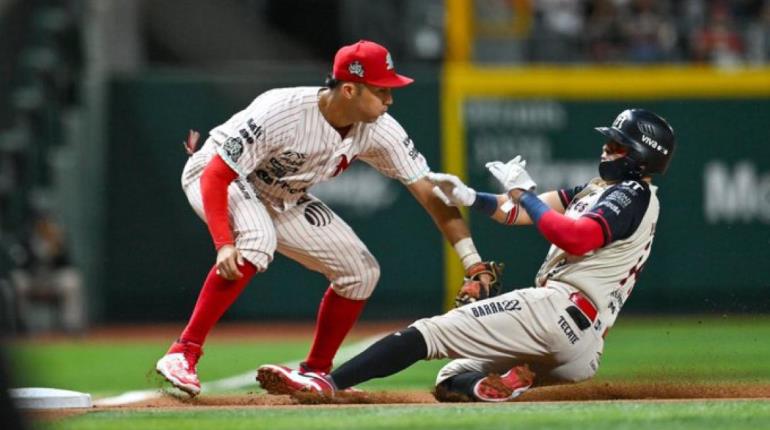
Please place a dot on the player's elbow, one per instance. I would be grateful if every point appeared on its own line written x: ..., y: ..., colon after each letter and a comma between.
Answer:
x: 577, y: 237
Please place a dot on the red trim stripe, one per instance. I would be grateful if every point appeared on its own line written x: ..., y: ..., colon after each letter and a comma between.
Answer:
x: 512, y: 215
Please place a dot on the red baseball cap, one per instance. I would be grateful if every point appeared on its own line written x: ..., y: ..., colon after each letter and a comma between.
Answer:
x: 369, y: 63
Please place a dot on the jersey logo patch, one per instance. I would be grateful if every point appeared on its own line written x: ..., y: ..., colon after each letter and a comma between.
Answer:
x: 234, y: 148
x: 318, y: 214
x: 355, y: 68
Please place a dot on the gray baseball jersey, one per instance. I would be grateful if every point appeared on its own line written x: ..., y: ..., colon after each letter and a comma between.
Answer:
x: 280, y: 146
x: 627, y: 213
x: 536, y: 325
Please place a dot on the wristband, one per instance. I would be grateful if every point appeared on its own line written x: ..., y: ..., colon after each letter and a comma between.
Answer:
x: 486, y: 203
x: 533, y: 205
x: 466, y: 250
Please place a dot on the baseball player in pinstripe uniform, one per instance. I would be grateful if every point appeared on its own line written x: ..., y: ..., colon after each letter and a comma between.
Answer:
x: 601, y: 235
x: 250, y: 182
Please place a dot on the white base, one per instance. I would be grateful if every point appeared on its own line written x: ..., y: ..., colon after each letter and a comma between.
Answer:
x: 49, y: 398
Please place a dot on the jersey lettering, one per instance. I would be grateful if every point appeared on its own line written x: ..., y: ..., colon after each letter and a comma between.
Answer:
x: 620, y: 209
x: 413, y: 153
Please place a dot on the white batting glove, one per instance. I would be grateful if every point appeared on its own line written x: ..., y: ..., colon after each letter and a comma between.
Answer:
x: 451, y: 190
x: 512, y: 174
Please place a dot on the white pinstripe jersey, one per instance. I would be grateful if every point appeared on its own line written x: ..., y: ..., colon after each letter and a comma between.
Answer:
x: 283, y: 145
x: 607, y: 275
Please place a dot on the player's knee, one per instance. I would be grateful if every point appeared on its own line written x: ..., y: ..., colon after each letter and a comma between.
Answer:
x: 372, y: 274
x: 588, y: 373
x: 371, y: 267
x: 360, y: 287
x: 575, y: 378
x: 370, y: 280
x: 360, y: 284
x: 257, y: 247
x: 572, y: 374
x: 258, y: 259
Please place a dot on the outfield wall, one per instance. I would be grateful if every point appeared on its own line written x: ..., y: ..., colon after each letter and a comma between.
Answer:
x: 713, y: 235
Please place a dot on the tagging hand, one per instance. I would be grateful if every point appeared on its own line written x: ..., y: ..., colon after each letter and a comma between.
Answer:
x: 451, y: 190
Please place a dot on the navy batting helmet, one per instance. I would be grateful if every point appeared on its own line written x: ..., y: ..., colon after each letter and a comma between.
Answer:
x: 648, y: 137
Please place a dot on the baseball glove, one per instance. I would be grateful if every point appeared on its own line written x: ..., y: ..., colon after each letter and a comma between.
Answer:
x: 474, y: 288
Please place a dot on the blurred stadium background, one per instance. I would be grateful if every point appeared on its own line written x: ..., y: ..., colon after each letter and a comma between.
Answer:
x: 96, y: 96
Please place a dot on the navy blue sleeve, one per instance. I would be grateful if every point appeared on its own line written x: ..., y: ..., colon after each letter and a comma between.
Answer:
x: 620, y: 209
x: 566, y: 195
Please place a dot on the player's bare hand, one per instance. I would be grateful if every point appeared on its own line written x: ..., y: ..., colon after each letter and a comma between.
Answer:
x: 451, y: 190
x: 228, y: 261
x: 512, y: 175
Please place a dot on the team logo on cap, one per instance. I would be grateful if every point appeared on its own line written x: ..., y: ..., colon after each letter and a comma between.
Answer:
x: 389, y: 61
x: 355, y: 68
x: 621, y: 119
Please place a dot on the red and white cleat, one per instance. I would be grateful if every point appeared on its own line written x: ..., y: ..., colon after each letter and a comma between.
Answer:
x: 501, y: 388
x: 178, y: 366
x: 282, y: 380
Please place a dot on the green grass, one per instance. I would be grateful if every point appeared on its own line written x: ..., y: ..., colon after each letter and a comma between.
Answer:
x: 702, y: 350
x: 109, y: 368
x: 596, y: 416
x: 722, y: 349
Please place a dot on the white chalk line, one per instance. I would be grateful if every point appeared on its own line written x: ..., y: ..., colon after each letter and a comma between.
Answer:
x: 230, y: 383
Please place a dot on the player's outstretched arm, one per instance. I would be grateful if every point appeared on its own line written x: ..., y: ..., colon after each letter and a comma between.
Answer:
x: 452, y: 225
x: 453, y: 192
x: 447, y: 218
x: 510, y: 213
x: 576, y: 236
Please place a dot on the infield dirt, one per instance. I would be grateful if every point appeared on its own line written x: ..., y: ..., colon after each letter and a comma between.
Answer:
x: 587, y: 391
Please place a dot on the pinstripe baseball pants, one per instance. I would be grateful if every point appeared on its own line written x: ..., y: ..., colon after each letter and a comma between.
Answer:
x: 309, y: 233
